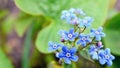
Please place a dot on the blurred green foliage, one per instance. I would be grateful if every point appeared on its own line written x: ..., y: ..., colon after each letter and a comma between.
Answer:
x: 112, y: 30
x: 4, y: 61
x: 45, y: 15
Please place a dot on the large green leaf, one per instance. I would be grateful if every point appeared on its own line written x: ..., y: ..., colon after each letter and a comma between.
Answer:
x: 53, y: 8
x: 29, y: 6
x: 112, y: 30
x: 94, y: 8
x: 23, y: 21
x: 4, y: 61
x: 8, y: 23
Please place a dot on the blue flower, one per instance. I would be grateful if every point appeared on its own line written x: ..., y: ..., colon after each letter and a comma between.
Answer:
x: 87, y: 21
x: 74, y: 21
x: 71, y: 35
x: 80, y: 12
x: 68, y: 15
x: 93, y: 51
x: 105, y: 57
x: 52, y: 46
x: 97, y: 33
x: 67, y: 55
x: 84, y: 39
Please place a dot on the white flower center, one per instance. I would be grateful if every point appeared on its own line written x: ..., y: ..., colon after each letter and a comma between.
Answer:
x: 83, y: 38
x: 95, y: 49
x: 70, y: 35
x: 97, y: 32
x: 85, y: 21
x: 68, y: 55
x: 68, y: 14
x: 54, y: 46
x: 107, y: 56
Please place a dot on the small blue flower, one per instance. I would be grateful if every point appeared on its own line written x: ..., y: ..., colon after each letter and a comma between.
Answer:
x: 52, y: 46
x: 84, y: 39
x: 93, y: 51
x: 68, y: 15
x: 67, y: 55
x: 61, y: 33
x: 71, y: 35
x: 97, y: 33
x: 74, y: 21
x: 105, y: 57
x: 80, y: 12
x: 87, y: 21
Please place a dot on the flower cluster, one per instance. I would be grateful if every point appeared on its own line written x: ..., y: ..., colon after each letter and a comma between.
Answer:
x: 67, y: 51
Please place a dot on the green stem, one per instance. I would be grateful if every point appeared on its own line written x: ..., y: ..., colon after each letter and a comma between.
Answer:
x: 26, y: 49
x: 79, y: 33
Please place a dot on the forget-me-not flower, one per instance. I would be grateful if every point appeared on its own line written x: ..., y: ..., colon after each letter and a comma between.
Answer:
x: 87, y: 21
x: 67, y: 55
x: 105, y: 57
x: 93, y: 51
x: 84, y: 39
x: 80, y: 12
x: 68, y: 15
x: 71, y: 35
x: 97, y: 33
x: 52, y: 46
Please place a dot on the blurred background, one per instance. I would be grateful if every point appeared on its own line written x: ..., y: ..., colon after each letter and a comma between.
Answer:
x: 26, y: 26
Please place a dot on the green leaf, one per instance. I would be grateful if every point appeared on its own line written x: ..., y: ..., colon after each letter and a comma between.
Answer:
x: 94, y: 8
x: 29, y: 6
x: 112, y: 30
x: 4, y: 61
x: 8, y: 23
x: 53, y: 8
x: 49, y: 34
x: 3, y: 13
x: 22, y: 23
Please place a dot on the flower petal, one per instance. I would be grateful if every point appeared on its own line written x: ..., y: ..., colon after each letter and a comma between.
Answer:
x: 65, y: 49
x: 71, y: 30
x: 98, y: 38
x: 50, y: 49
x: 60, y: 55
x: 102, y: 61
x: 67, y: 60
x: 73, y: 50
x: 112, y: 57
x: 74, y: 58
x: 95, y: 56
x: 83, y: 43
x: 103, y: 34
x: 109, y: 63
x: 79, y: 41
x: 100, y: 29
x: 107, y: 51
x: 50, y: 43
